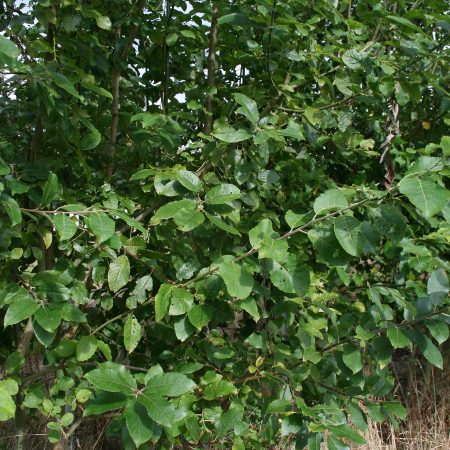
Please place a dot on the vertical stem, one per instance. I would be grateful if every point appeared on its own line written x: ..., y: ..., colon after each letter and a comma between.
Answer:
x: 269, y: 43
x: 116, y: 74
x: 211, y: 69
x: 166, y: 67
x: 111, y: 149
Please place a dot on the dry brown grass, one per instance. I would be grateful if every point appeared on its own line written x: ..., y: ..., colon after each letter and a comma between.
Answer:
x: 425, y: 391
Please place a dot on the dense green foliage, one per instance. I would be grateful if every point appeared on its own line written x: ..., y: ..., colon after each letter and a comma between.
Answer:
x: 195, y: 233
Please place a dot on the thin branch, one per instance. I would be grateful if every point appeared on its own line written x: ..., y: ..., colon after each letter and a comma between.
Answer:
x: 211, y: 69
x: 269, y: 43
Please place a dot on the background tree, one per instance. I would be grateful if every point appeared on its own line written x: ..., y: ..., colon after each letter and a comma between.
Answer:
x: 219, y: 219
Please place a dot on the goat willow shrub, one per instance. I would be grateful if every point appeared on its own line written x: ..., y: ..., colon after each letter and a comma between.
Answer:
x: 218, y: 221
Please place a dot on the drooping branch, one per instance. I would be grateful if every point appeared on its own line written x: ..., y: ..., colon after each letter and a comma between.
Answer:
x: 212, y: 49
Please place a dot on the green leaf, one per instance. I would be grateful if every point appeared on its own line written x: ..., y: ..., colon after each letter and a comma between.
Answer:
x: 291, y: 278
x: 162, y: 301
x: 223, y: 193
x: 171, y: 384
x: 238, y: 281
x: 425, y: 194
x: 67, y: 419
x: 183, y: 328
x: 347, y: 231
x: 7, y: 405
x: 189, y: 180
x: 429, y: 350
x: 103, y: 22
x: 50, y: 190
x: 118, y: 273
x: 200, y: 315
x: 101, y: 225
x: 248, y: 108
x: 344, y: 431
x: 357, y: 416
x: 405, y: 23
x: 90, y: 140
x: 279, y: 406
x: 21, y: 308
x: 249, y: 305
x: 158, y: 408
x: 171, y: 39
x: 141, y: 428
x: 13, y: 210
x: 187, y: 219
x: 425, y: 164
x: 49, y: 317
x: 97, y: 89
x: 354, y: 59
x: 65, y: 226
x: 54, y: 433
x: 112, y: 377
x: 14, y: 362
x: 351, y: 356
x: 274, y: 249
x: 231, y: 135
x: 104, y: 348
x: 229, y: 419
x: 104, y: 402
x: 131, y: 333
x: 218, y: 389
x: 445, y: 145
x: 396, y: 409
x: 439, y: 330
x: 170, y: 210
x: 398, y: 337
x: 219, y: 223
x: 8, y: 48
x: 263, y: 230
x: 181, y: 302
x: 43, y: 336
x: 331, y: 200
x: 438, y: 286
x: 86, y: 347
x: 64, y: 83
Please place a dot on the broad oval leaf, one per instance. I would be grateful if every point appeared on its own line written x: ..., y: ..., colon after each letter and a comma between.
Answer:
x: 200, y: 315
x: 104, y: 402
x: 291, y: 278
x: 86, y: 347
x: 158, y: 408
x: 424, y: 193
x: 162, y: 301
x: 119, y: 273
x: 8, y: 48
x: 112, y: 377
x: 65, y: 226
x: 238, y: 281
x: 21, y: 308
x: 248, y: 108
x: 50, y: 189
x: 330, y: 200
x: 347, y: 231
x: 131, y: 333
x: 223, y: 193
x: 141, y: 428
x: 352, y: 357
x: 171, y: 384
x: 231, y: 135
x: 101, y: 225
x: 189, y: 180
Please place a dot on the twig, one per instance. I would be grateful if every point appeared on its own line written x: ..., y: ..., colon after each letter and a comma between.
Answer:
x: 211, y: 69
